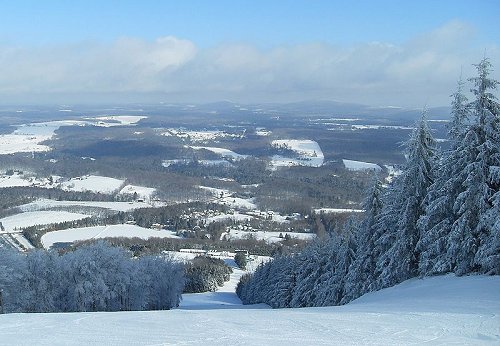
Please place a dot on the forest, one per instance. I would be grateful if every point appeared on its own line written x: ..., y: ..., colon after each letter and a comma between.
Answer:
x: 441, y: 215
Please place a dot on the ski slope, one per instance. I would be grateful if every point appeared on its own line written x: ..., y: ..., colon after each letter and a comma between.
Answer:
x: 439, y: 310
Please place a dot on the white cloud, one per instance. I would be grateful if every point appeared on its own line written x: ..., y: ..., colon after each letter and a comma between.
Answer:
x: 421, y: 71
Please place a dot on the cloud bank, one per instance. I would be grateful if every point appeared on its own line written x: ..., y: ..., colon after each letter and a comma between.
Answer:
x: 423, y: 70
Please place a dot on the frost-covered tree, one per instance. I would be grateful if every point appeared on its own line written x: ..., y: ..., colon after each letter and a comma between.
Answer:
x: 435, y: 225
x: 13, y: 267
x: 311, y: 265
x: 41, y: 282
x: 92, y: 278
x: 362, y: 270
x: 400, y: 261
x: 472, y: 236
x: 346, y: 256
x: 459, y: 113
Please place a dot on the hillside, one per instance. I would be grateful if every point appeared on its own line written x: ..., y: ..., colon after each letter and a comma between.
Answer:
x: 436, y: 310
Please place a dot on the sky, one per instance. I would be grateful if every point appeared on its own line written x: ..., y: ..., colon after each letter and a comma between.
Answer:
x: 401, y: 53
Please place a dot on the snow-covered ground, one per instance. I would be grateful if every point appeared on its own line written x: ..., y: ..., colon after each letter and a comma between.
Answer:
x: 198, y: 136
x: 378, y: 127
x: 168, y: 163
x: 142, y: 192
x: 336, y: 210
x: 260, y: 131
x: 50, y: 203
x: 84, y: 233
x: 224, y: 217
x: 269, y: 237
x: 438, y: 310
x: 28, y: 137
x: 308, y: 151
x: 117, y: 120
x: 360, y: 165
x: 38, y: 218
x: 225, y: 153
x: 94, y: 183
x: 13, y: 180
x: 226, y: 197
x: 393, y: 172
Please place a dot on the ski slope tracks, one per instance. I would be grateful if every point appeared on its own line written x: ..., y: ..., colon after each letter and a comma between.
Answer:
x: 437, y: 310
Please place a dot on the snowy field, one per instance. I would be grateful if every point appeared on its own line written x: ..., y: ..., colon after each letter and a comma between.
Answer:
x: 360, y: 165
x: 439, y: 310
x: 378, y: 127
x: 269, y: 237
x: 50, y: 203
x: 39, y: 218
x: 93, y: 183
x: 28, y: 137
x: 198, y: 136
x: 13, y: 180
x: 117, y: 120
x: 84, y: 233
x: 225, y: 153
x: 142, y: 192
x: 226, y: 197
x: 336, y: 210
x: 308, y: 151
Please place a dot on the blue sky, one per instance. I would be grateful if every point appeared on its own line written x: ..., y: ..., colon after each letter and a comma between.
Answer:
x: 246, y: 40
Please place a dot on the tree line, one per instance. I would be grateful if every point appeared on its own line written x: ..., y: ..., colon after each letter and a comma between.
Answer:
x: 441, y: 215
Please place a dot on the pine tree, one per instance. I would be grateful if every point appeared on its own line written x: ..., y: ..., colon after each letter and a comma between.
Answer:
x: 435, y: 225
x: 400, y: 261
x: 362, y: 270
x: 472, y: 244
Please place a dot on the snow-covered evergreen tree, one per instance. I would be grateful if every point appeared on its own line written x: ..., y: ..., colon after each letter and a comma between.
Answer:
x: 435, y: 225
x: 400, y: 261
x: 472, y: 236
x: 362, y: 270
x: 311, y: 265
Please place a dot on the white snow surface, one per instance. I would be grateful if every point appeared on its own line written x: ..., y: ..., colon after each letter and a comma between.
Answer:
x: 225, y: 153
x: 437, y: 310
x: 13, y: 180
x: 117, y: 120
x: 142, y: 192
x: 309, y: 153
x: 27, y: 137
x: 50, y: 203
x: 39, y: 218
x: 225, y: 197
x: 97, y: 232
x: 94, y: 183
x: 360, y: 165
x: 337, y: 210
x: 269, y: 237
x: 198, y: 136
